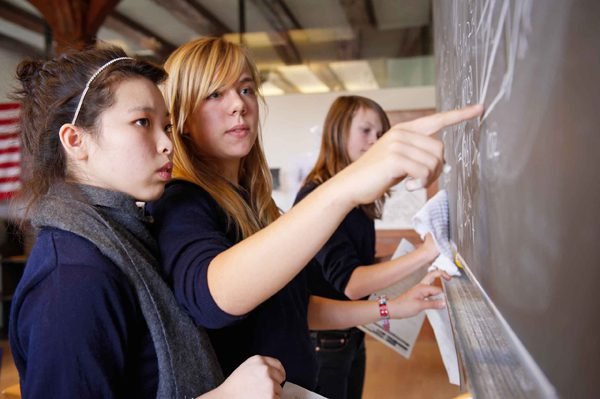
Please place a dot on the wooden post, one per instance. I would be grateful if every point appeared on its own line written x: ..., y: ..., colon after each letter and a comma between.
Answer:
x: 74, y: 23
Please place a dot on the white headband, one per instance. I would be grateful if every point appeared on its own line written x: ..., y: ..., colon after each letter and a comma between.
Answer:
x: 89, y: 82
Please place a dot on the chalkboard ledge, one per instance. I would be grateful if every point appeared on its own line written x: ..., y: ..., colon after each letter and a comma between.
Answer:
x: 494, y: 363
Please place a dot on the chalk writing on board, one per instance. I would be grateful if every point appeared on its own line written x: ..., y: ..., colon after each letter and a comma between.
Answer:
x: 482, y: 45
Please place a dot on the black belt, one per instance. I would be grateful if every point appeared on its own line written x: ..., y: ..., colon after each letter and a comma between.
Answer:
x: 335, y: 339
x: 327, y: 333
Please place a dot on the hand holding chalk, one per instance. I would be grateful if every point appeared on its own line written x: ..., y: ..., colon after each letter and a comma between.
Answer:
x: 430, y: 126
x: 408, y: 149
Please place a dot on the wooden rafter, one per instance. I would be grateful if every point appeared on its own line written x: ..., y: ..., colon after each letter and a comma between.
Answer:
x: 116, y: 21
x: 415, y: 41
x: 412, y: 41
x: 132, y: 29
x: 361, y: 17
x: 360, y: 13
x: 19, y: 47
x: 21, y: 17
x: 280, y: 17
x: 195, y: 16
x: 74, y: 23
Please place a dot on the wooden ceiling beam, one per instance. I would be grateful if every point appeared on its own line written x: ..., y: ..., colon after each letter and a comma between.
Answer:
x: 360, y: 13
x: 116, y: 21
x: 276, y: 78
x: 195, y: 16
x: 21, y: 17
x: 133, y: 30
x: 281, y: 18
x: 360, y: 16
x: 17, y: 46
x: 327, y: 76
x: 285, y: 10
x: 415, y: 41
x: 74, y: 23
x: 412, y: 41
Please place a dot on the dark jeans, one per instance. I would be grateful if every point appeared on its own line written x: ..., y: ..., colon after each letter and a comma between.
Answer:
x: 341, y: 358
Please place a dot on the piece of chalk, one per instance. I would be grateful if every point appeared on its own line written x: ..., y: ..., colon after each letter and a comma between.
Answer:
x: 413, y: 184
x: 457, y: 262
x: 447, y: 168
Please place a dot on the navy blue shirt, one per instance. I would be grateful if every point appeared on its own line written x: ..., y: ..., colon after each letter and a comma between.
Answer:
x: 77, y: 328
x: 192, y: 229
x: 351, y: 245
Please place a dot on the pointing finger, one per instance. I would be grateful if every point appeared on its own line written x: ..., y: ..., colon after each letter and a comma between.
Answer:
x: 433, y: 123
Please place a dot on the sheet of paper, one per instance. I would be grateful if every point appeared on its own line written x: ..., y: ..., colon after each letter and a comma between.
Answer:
x: 293, y: 391
x: 404, y: 332
x: 440, y: 322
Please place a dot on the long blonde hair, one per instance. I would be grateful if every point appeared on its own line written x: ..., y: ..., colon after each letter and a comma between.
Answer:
x: 197, y: 69
x: 333, y: 156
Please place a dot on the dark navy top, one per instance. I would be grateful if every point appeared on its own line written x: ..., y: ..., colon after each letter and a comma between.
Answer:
x: 77, y: 328
x: 192, y: 229
x: 350, y: 246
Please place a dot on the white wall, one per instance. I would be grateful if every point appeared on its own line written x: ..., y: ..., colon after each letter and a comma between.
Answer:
x: 8, y: 66
x: 292, y: 135
x: 289, y: 119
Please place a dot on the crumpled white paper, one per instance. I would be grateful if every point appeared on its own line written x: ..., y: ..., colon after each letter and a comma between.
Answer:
x: 433, y: 218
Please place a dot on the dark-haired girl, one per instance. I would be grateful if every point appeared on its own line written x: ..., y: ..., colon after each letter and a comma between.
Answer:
x: 91, y: 317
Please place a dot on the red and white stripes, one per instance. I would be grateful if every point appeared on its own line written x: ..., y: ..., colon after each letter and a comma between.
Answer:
x: 10, y: 150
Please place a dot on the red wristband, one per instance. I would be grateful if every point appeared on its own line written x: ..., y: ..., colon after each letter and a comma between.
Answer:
x: 384, y: 312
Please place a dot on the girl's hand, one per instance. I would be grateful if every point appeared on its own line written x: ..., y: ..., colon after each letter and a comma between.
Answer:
x: 433, y: 275
x: 418, y: 298
x: 258, y: 377
x: 407, y: 149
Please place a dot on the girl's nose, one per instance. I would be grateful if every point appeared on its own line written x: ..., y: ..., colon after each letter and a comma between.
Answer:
x: 165, y: 145
x: 237, y: 103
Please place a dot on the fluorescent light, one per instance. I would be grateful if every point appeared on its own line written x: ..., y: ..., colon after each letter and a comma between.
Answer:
x: 356, y: 75
x: 254, y: 39
x: 303, y: 78
x: 311, y: 36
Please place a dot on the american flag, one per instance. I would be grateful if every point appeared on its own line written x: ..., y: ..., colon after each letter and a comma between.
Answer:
x: 10, y: 150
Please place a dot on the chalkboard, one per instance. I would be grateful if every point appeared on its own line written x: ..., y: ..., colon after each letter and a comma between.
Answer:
x: 525, y: 184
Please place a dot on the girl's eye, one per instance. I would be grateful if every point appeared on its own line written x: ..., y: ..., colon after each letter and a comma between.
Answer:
x: 169, y: 129
x: 247, y: 91
x: 214, y: 95
x: 144, y: 122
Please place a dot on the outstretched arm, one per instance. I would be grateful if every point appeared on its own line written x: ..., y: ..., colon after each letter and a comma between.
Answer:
x: 368, y: 279
x: 250, y: 272
x: 330, y: 314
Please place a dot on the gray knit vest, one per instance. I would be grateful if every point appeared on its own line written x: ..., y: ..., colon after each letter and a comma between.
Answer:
x: 187, y: 364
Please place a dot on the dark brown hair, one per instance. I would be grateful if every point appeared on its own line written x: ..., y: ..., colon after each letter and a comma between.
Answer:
x: 333, y: 156
x: 49, y: 95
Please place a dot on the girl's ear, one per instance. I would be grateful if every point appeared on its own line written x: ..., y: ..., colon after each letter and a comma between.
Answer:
x: 73, y: 141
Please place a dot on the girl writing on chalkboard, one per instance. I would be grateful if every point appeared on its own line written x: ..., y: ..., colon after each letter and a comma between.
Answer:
x: 345, y: 267
x: 234, y: 263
